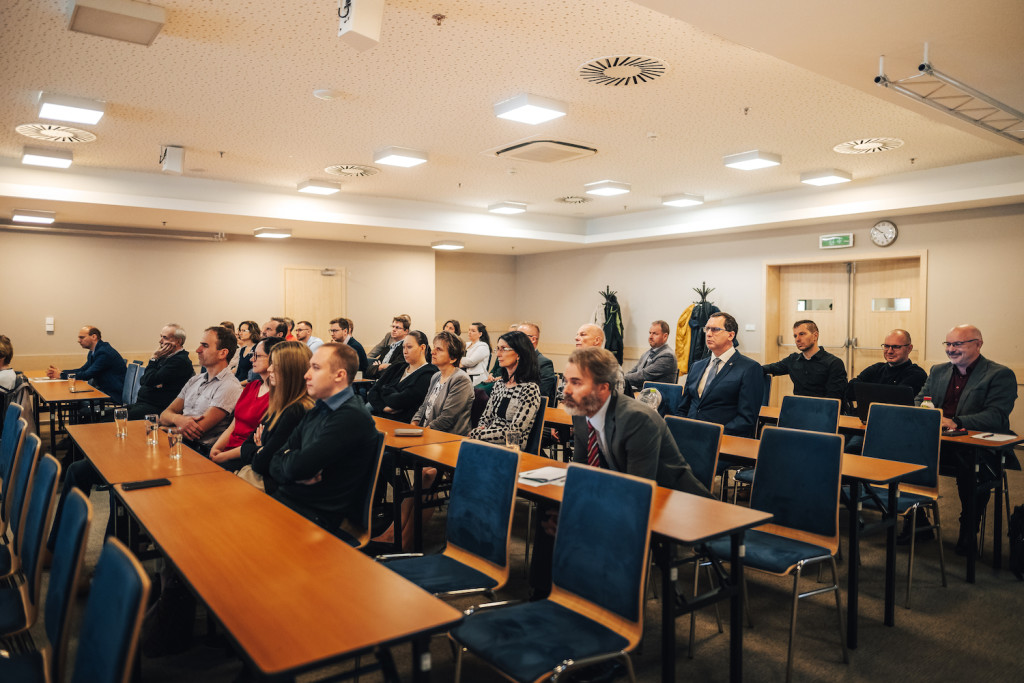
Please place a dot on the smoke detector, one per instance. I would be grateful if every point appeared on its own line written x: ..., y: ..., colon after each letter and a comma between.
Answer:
x: 868, y: 146
x: 54, y: 133
x: 352, y: 170
x: 623, y: 70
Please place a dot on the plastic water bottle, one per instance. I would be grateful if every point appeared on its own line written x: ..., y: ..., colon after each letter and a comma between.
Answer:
x: 927, y: 402
x: 651, y: 397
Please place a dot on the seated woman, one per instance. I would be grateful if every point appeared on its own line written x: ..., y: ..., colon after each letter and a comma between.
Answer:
x: 478, y: 353
x: 452, y: 326
x: 401, y: 389
x: 289, y: 401
x: 515, y: 397
x: 251, y: 406
x: 248, y: 337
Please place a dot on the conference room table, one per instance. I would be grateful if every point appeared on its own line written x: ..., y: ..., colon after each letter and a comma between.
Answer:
x: 857, y: 471
x: 291, y: 596
x: 677, y: 518
x: 56, y: 394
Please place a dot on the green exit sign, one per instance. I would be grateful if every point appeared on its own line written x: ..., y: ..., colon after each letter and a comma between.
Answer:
x: 840, y: 241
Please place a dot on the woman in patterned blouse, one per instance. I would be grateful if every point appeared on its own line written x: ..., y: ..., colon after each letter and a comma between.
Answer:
x: 516, y: 395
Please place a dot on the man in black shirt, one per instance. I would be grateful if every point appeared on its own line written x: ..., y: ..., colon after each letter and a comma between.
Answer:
x: 897, y: 367
x: 168, y: 370
x: 814, y: 371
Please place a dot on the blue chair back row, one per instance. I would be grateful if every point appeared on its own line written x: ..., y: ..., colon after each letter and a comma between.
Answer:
x: 37, y: 519
x: 810, y: 414
x: 68, y: 553
x: 533, y: 439
x: 671, y: 396
x: 481, y: 502
x: 21, y: 480
x: 699, y: 442
x: 906, y: 434
x: 10, y: 446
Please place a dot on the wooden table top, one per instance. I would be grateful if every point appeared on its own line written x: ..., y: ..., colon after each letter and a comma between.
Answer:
x: 131, y: 459
x: 680, y: 516
x: 50, y: 390
x: 291, y: 594
x: 557, y: 416
x: 429, y: 435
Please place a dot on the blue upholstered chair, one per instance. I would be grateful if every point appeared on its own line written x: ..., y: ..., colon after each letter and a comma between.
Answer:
x: 595, y: 610
x: 533, y: 439
x: 113, y: 617
x: 31, y: 665
x: 131, y: 376
x: 671, y: 396
x: 476, y: 558
x: 10, y: 446
x: 797, y: 480
x: 767, y: 396
x: 21, y: 481
x: 911, y: 435
x: 19, y: 601
x: 359, y: 537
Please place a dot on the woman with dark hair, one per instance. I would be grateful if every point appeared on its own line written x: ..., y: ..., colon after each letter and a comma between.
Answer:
x: 248, y: 337
x: 452, y: 326
x: 401, y: 389
x: 478, y: 353
x: 516, y: 395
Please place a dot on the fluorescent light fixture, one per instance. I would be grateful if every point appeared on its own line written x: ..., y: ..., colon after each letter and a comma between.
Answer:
x: 399, y: 156
x: 318, y: 187
x: 527, y: 108
x: 447, y: 245
x: 682, y: 200
x: 40, y: 156
x: 606, y: 188
x: 829, y: 176
x: 507, y: 207
x: 272, y: 233
x: 40, y: 217
x: 133, y: 22
x: 67, y: 108
x: 752, y: 160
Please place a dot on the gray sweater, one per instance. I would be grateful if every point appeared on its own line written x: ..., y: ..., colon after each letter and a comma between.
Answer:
x: 452, y: 406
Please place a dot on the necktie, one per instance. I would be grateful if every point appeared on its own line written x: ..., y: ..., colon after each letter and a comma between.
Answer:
x: 593, y: 454
x: 711, y: 373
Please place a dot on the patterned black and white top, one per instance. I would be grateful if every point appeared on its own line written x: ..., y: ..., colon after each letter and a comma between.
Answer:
x: 508, y: 408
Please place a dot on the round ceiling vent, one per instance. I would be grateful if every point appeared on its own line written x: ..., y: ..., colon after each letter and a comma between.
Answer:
x: 868, y: 146
x: 572, y: 199
x: 352, y: 170
x: 53, y: 133
x: 623, y: 70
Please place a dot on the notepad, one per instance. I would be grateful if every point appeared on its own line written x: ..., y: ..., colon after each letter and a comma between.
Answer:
x: 543, y: 476
x: 995, y: 437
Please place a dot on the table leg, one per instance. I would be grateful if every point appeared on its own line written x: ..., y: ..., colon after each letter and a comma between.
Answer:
x: 417, y: 508
x: 997, y: 515
x: 396, y: 501
x: 736, y: 609
x: 890, y: 556
x: 421, y: 660
x: 971, y: 517
x: 663, y: 557
x: 853, y: 566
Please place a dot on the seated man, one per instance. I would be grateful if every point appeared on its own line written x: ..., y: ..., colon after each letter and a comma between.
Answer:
x: 203, y: 408
x: 658, y: 364
x: 392, y: 353
x: 104, y: 367
x: 814, y: 371
x: 275, y: 327
x: 896, y: 368
x: 165, y: 375
x: 727, y: 387
x: 548, y: 379
x: 304, y: 334
x: 341, y: 331
x: 592, y: 335
x: 323, y: 471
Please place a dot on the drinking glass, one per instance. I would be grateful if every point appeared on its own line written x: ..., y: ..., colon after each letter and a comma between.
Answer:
x: 174, y: 441
x: 152, y: 430
x: 121, y: 422
x: 71, y: 382
x: 513, y: 439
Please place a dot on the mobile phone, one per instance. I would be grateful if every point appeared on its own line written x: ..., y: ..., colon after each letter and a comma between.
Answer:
x: 408, y: 431
x: 145, y: 484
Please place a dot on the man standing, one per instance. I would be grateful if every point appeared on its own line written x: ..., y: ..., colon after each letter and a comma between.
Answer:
x: 203, y: 408
x: 104, y: 366
x: 548, y: 380
x: 973, y: 393
x: 393, y: 354
x: 304, y: 334
x: 814, y: 371
x: 658, y: 364
x: 166, y: 373
x: 323, y: 471
x: 726, y: 388
x: 341, y: 332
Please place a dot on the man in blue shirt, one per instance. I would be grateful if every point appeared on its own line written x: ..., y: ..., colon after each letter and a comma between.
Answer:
x: 104, y: 367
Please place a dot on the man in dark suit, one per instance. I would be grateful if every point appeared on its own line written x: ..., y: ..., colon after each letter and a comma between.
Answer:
x: 973, y: 393
x: 341, y: 332
x: 167, y: 372
x: 104, y: 367
x: 548, y: 380
x: 727, y: 387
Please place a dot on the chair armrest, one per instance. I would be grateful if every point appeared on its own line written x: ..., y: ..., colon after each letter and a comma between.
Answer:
x: 395, y: 556
x: 489, y: 606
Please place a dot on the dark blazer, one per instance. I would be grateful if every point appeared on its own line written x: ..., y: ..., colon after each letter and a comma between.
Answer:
x: 733, y: 399
x: 404, y: 397
x: 163, y: 379
x: 655, y: 365
x: 986, y: 401
x: 639, y: 443
x: 360, y: 351
x: 104, y: 368
x: 548, y: 380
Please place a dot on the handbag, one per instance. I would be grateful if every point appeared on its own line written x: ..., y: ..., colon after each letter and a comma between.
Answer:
x: 249, y: 476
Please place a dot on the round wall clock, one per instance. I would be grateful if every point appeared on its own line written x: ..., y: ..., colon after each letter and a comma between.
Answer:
x: 884, y: 233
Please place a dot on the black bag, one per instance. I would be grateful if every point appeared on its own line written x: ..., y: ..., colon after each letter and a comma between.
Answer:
x: 1016, y: 533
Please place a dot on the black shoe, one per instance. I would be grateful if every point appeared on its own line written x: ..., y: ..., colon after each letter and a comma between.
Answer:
x: 605, y: 672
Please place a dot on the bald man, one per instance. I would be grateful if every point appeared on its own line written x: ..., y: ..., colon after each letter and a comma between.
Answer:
x: 104, y: 367
x: 973, y: 393
x: 592, y: 335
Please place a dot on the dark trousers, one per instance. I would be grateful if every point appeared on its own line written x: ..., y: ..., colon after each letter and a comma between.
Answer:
x: 960, y: 462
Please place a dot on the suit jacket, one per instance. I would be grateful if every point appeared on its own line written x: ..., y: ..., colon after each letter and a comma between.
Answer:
x: 660, y: 368
x: 360, y: 351
x: 164, y: 378
x: 986, y: 401
x: 548, y: 380
x: 733, y: 399
x: 639, y: 443
x: 104, y: 368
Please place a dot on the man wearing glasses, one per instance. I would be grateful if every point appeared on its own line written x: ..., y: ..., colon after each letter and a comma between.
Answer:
x: 726, y: 387
x: 973, y: 393
x: 897, y: 368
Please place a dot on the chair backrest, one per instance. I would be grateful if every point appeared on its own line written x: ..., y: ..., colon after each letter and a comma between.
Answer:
x: 810, y: 414
x: 13, y: 442
x: 10, y: 440
x: 37, y: 522
x: 12, y: 398
x: 366, y: 531
x: 137, y: 362
x: 533, y: 439
x: 137, y: 384
x: 802, y: 492
x: 906, y: 434
x: 481, y: 503
x: 21, y: 481
x: 766, y: 397
x: 699, y: 442
x: 671, y: 396
x: 68, y: 553
x: 600, y: 553
x: 130, y: 375
x: 113, y: 617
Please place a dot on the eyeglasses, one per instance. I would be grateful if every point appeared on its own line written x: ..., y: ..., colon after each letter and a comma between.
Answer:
x: 894, y: 347
x: 957, y: 345
x: 713, y: 330
x: 502, y: 349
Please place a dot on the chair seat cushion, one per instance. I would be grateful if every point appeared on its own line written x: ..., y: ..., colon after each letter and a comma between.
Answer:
x: 745, y: 476
x: 12, y: 612
x: 904, y: 501
x: 440, y: 574
x: 23, y: 667
x: 769, y: 552
x: 526, y: 641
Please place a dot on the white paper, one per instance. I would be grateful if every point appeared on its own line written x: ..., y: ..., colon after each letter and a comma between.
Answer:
x: 543, y: 476
x: 996, y: 437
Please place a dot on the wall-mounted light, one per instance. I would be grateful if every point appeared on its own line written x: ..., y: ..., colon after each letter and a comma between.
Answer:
x: 527, y: 108
x: 399, y: 156
x: 752, y: 160
x: 829, y: 176
x: 272, y: 233
x: 40, y: 217
x: 606, y: 188
x: 507, y: 207
x: 447, y: 245
x: 73, y: 109
x: 679, y: 200
x: 318, y: 187
x: 41, y: 156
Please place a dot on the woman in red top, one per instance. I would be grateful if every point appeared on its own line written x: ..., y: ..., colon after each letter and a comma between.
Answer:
x: 250, y: 409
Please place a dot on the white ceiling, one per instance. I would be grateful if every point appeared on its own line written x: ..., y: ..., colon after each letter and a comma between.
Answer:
x: 232, y: 82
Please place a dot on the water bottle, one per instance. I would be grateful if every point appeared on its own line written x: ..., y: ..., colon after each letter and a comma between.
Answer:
x: 651, y: 397
x: 927, y: 402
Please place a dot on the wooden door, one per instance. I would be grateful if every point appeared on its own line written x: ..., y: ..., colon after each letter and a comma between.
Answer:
x: 887, y: 295
x: 316, y: 295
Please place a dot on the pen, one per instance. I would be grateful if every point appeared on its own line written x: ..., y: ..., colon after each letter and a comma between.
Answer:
x: 985, y: 436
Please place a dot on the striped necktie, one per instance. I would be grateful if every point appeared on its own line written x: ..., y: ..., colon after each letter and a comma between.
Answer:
x: 711, y: 374
x: 593, y: 453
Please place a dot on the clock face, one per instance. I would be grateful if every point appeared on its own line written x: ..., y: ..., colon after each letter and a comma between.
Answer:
x: 884, y: 233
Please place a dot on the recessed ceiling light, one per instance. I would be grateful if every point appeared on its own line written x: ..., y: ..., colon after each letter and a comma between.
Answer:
x: 71, y: 109
x: 133, y: 22
x: 40, y: 156
x: 41, y: 217
x: 527, y: 108
x: 752, y: 160
x: 682, y: 200
x: 447, y: 245
x: 829, y: 176
x: 399, y: 156
x: 507, y: 207
x: 606, y: 188
x: 272, y: 233
x: 318, y: 187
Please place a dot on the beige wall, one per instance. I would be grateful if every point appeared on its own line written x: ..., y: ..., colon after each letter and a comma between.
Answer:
x: 476, y: 287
